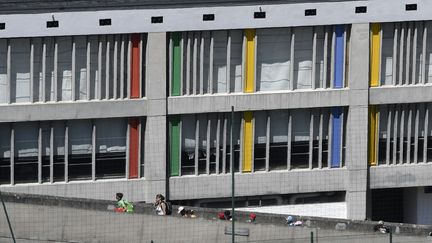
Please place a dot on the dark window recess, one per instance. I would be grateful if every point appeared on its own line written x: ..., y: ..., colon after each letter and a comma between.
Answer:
x: 387, y: 205
x: 259, y: 156
x: 80, y: 167
x: 361, y: 9
x: 202, y: 161
x: 278, y: 156
x: 104, y: 22
x: 259, y: 15
x: 208, y: 17
x: 187, y: 163
x: 110, y: 165
x: 26, y: 169
x: 2, y: 26
x: 157, y: 20
x: 310, y: 12
x: 52, y: 24
x: 45, y: 168
x: 300, y: 154
x: 59, y: 168
x: 428, y: 189
x: 236, y: 158
x: 4, y: 171
x: 411, y: 7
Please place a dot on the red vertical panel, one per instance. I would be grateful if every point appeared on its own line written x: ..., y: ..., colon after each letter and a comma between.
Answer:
x: 135, y: 66
x: 133, y: 147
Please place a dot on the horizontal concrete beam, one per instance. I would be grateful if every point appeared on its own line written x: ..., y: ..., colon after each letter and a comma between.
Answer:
x: 255, y: 184
x: 257, y: 101
x: 400, y: 94
x: 394, y: 176
x: 73, y: 110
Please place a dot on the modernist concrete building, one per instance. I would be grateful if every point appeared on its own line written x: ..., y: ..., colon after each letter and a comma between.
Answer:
x: 332, y: 102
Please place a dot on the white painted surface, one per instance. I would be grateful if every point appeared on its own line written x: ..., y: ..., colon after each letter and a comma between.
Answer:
x: 230, y: 17
x: 327, y: 210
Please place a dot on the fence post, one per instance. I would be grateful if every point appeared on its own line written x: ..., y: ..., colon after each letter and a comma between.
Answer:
x: 312, y: 241
x: 391, y: 237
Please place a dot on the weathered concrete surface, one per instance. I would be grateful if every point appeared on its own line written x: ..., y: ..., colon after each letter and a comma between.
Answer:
x: 50, y: 219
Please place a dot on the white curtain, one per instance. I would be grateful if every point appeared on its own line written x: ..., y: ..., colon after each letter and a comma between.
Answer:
x: 273, y: 59
x: 80, y: 67
x: 220, y: 61
x: 20, y: 70
x: 303, y: 58
x: 3, y: 70
x: 236, y: 65
x: 64, y: 68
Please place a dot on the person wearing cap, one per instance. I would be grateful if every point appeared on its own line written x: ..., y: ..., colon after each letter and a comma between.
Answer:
x: 123, y: 205
x: 380, y: 227
x: 186, y: 212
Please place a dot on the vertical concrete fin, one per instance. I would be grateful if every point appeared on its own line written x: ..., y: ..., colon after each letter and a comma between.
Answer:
x: 375, y: 53
x: 176, y: 64
x: 248, y: 141
x: 133, y: 147
x: 336, y: 137
x: 339, y: 50
x: 174, y: 149
x: 373, y: 134
x: 250, y: 61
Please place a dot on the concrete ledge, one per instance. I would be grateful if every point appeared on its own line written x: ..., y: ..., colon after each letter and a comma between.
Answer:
x: 400, y: 94
x: 258, y: 183
x: 211, y: 213
x: 257, y: 101
x: 394, y: 176
x: 73, y: 110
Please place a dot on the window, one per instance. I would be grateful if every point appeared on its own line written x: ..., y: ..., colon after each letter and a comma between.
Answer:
x: 260, y: 141
x: 80, y: 150
x: 5, y: 153
x: 278, y: 140
x: 110, y: 148
x: 26, y: 152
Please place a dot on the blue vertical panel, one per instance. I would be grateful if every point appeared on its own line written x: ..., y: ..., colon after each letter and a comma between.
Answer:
x: 336, y: 137
x: 339, y: 56
x: 338, y: 82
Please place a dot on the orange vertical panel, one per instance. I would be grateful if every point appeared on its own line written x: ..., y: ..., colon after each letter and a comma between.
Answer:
x: 135, y: 66
x: 133, y: 147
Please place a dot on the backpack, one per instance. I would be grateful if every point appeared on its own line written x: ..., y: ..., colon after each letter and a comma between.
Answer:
x: 168, y: 208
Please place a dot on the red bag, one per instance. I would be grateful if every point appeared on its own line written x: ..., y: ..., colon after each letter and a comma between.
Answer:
x: 221, y: 215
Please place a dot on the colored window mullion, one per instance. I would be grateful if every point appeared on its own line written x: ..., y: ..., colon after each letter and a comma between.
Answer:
x: 338, y: 83
x: 174, y: 132
x: 375, y: 46
x: 135, y: 66
x: 339, y: 56
x: 336, y: 137
x: 373, y: 135
x: 133, y: 147
x: 176, y: 64
x: 250, y: 61
x: 247, y: 142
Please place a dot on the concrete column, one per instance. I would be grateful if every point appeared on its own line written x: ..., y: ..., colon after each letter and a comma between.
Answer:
x: 357, y: 136
x: 155, y: 156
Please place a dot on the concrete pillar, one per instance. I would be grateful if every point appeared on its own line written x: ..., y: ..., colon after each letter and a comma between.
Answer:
x: 357, y: 164
x: 155, y: 157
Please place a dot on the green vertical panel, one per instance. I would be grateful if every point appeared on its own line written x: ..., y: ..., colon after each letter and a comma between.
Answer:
x: 176, y: 65
x: 174, y: 131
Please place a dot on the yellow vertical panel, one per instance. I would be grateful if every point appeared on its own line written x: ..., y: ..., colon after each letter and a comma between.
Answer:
x: 375, y: 46
x: 247, y: 142
x: 250, y: 61
x: 373, y: 135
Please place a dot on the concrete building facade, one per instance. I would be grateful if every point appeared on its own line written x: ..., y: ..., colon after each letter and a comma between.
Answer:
x: 331, y: 102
